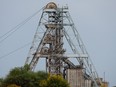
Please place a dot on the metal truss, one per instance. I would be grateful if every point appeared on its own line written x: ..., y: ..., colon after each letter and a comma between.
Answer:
x: 55, y: 26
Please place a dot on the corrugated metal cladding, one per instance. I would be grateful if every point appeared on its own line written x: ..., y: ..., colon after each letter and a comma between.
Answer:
x: 87, y: 83
x: 75, y: 78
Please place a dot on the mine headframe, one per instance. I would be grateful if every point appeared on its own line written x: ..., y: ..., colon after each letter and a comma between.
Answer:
x: 54, y: 27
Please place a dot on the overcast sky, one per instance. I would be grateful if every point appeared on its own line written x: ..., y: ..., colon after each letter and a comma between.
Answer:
x: 94, y: 19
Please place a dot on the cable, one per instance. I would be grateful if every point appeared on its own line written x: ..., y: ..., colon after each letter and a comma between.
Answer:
x: 10, y: 32
x: 15, y: 50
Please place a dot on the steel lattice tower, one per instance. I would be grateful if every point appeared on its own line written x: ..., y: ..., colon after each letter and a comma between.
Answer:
x: 54, y: 27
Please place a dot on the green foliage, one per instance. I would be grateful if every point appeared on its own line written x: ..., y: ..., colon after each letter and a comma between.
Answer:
x: 54, y: 81
x: 1, y: 81
x: 13, y: 85
x: 43, y: 83
x: 24, y: 78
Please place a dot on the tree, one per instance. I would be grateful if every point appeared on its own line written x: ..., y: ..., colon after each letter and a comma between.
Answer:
x: 1, y: 81
x: 13, y: 85
x: 54, y: 81
x: 21, y: 76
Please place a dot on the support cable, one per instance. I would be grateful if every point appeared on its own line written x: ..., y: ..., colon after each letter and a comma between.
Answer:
x: 10, y: 32
x: 1, y: 57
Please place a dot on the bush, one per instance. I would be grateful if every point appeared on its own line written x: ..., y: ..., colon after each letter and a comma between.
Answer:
x: 54, y: 81
x: 24, y: 78
x: 13, y: 85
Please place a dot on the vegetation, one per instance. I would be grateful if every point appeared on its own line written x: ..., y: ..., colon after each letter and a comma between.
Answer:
x: 1, y: 81
x: 13, y: 85
x: 22, y: 77
x: 54, y: 81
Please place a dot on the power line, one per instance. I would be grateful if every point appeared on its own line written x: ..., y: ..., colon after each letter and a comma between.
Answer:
x: 10, y: 32
x: 15, y: 50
